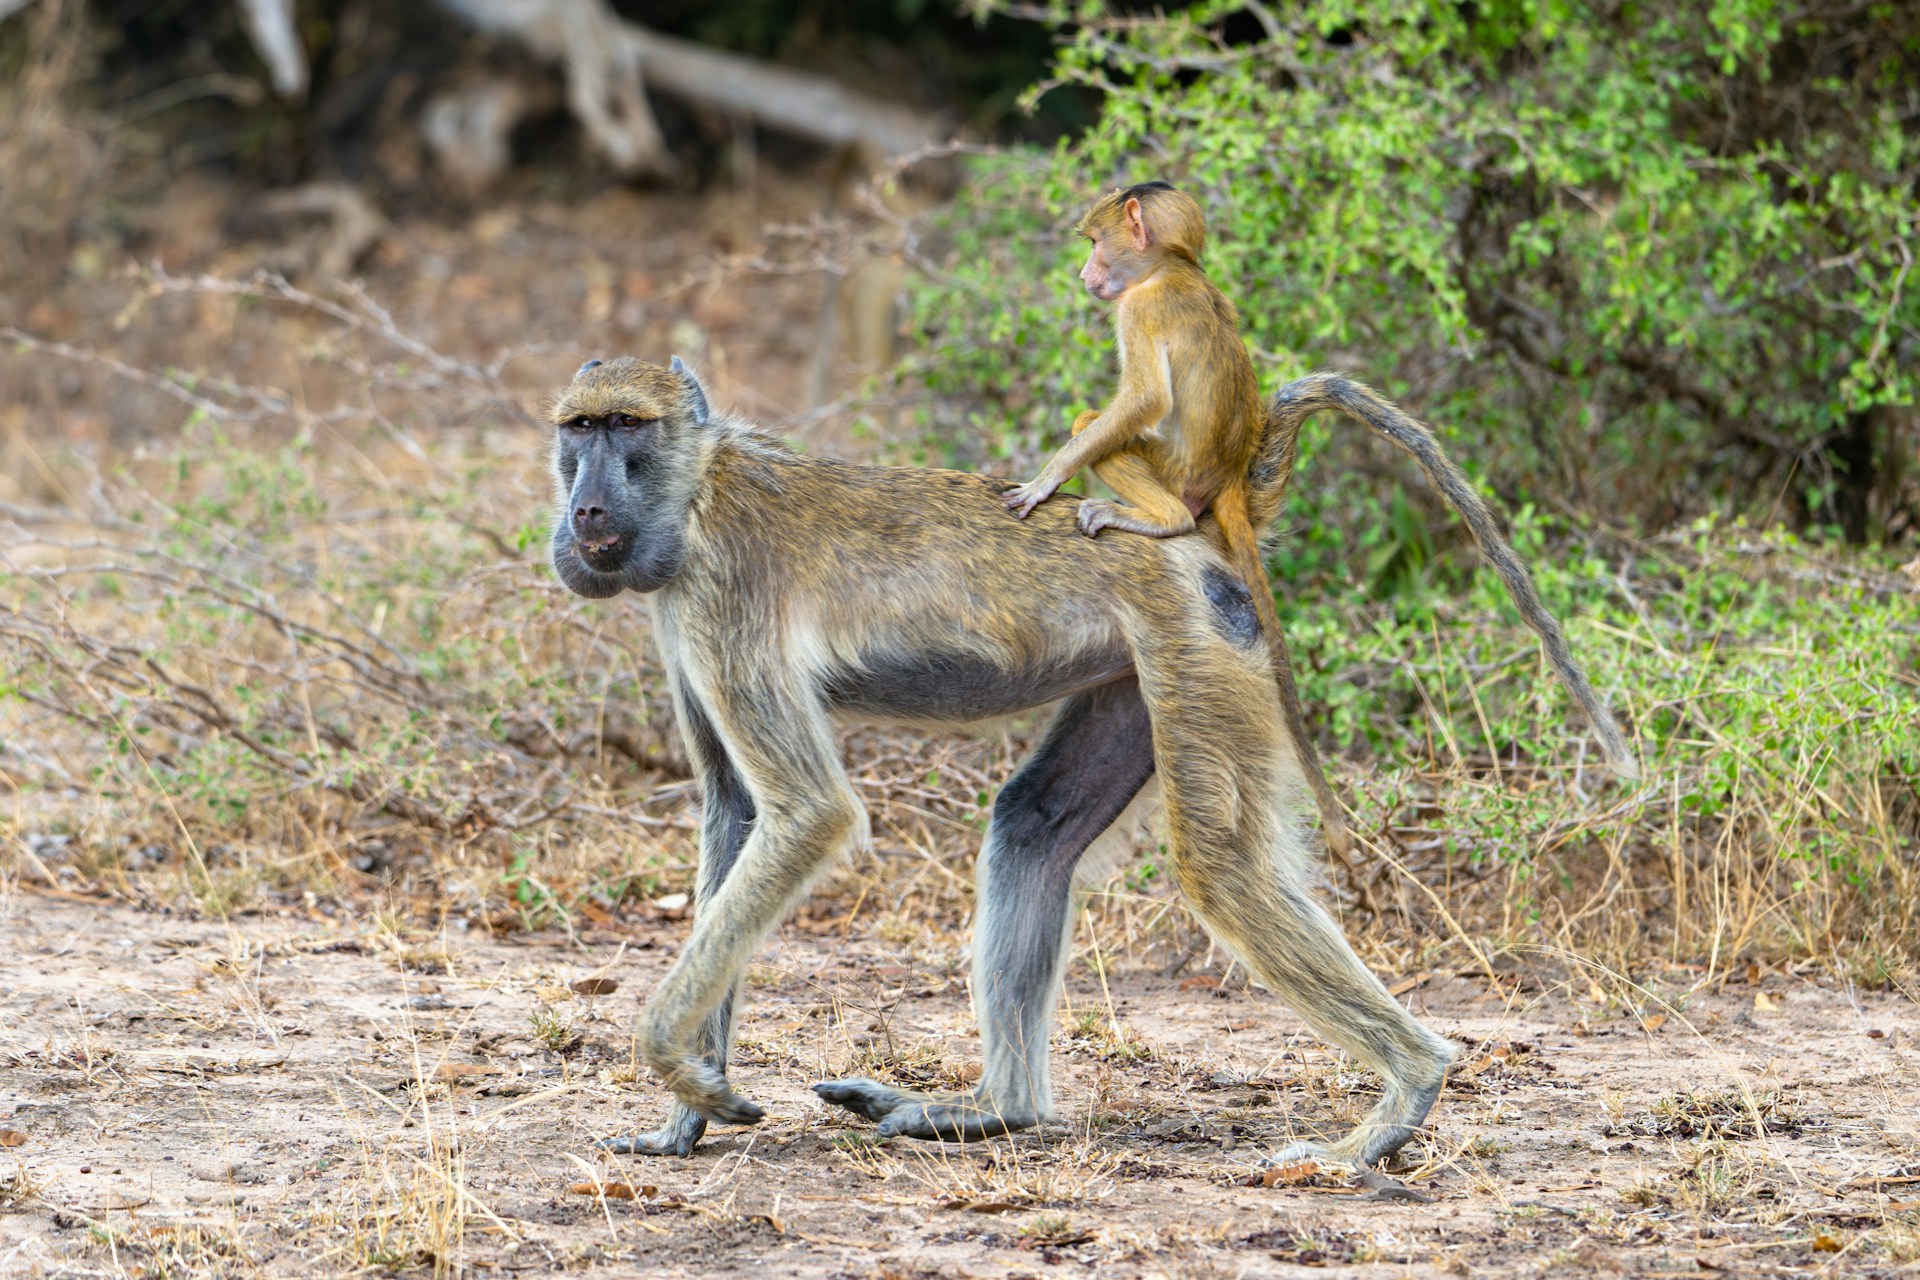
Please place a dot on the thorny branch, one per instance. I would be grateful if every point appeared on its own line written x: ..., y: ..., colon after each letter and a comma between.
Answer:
x: 115, y: 688
x: 173, y: 383
x: 363, y: 316
x: 239, y: 404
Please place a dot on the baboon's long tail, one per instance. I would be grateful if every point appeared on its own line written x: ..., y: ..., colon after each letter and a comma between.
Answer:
x: 1300, y: 399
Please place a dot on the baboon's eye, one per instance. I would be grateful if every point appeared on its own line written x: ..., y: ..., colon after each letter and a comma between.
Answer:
x: 628, y: 421
x: 580, y: 423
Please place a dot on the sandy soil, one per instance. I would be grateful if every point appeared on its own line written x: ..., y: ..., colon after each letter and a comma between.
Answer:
x: 331, y: 1091
x: 191, y: 1097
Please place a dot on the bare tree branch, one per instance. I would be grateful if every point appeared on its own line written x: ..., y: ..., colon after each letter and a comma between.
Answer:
x: 776, y: 97
x: 270, y: 27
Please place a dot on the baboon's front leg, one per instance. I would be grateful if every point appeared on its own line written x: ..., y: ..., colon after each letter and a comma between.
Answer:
x: 780, y: 746
x: 726, y: 816
x: 1096, y: 756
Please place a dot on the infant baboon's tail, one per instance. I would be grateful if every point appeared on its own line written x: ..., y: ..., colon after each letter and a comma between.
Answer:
x: 1267, y: 479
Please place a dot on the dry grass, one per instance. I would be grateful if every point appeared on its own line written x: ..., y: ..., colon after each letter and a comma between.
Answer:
x: 304, y: 646
x: 291, y: 703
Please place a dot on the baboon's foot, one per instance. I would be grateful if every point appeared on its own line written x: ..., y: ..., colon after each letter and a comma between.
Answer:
x: 1094, y: 515
x: 1331, y: 1155
x: 901, y: 1113
x: 674, y: 1138
x: 1387, y: 1128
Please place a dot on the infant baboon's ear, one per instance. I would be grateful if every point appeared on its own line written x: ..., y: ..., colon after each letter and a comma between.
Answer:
x: 591, y: 364
x: 696, y: 394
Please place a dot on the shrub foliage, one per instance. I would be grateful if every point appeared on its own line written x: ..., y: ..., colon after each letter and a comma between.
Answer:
x: 1650, y: 266
x: 1654, y: 256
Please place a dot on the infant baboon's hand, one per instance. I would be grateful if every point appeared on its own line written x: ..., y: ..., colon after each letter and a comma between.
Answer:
x: 1024, y: 498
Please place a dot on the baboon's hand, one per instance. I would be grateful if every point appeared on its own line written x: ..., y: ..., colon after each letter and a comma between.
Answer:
x: 730, y: 1108
x: 1024, y: 498
x: 715, y: 1102
x: 700, y: 1085
x: 902, y: 1113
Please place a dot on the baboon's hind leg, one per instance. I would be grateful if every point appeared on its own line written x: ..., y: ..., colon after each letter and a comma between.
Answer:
x: 1293, y: 945
x: 1242, y: 862
x: 1096, y: 756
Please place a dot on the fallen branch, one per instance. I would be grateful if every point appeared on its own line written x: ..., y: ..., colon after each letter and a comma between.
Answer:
x: 777, y: 97
x: 354, y: 225
x: 271, y: 28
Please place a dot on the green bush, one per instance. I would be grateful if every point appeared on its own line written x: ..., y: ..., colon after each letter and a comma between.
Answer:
x: 1654, y: 258
x: 1647, y: 267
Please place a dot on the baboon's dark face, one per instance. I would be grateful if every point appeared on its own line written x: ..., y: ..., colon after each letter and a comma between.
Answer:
x: 625, y: 454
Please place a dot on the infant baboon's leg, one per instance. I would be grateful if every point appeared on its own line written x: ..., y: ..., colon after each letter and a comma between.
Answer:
x: 1243, y: 864
x: 1096, y: 756
x: 726, y: 816
x: 1146, y: 505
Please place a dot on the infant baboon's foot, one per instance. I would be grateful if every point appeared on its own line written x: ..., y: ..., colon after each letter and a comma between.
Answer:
x: 1095, y: 514
x: 904, y: 1114
x: 674, y: 1138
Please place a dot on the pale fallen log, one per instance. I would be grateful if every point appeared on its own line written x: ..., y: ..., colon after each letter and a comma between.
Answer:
x: 269, y: 25
x: 468, y: 127
x: 778, y: 98
x: 270, y: 29
x: 604, y: 88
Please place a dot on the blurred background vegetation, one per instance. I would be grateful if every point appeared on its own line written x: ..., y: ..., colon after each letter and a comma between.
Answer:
x: 1653, y: 261
x: 270, y: 576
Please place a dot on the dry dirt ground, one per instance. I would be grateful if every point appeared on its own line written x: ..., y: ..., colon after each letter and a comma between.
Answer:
x: 294, y: 1094
x: 334, y: 1090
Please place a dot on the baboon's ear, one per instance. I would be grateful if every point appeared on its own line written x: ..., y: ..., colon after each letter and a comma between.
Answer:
x: 696, y: 394
x: 591, y: 364
x: 1136, y: 226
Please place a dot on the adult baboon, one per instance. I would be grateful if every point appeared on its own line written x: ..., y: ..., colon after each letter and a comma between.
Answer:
x: 787, y: 589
